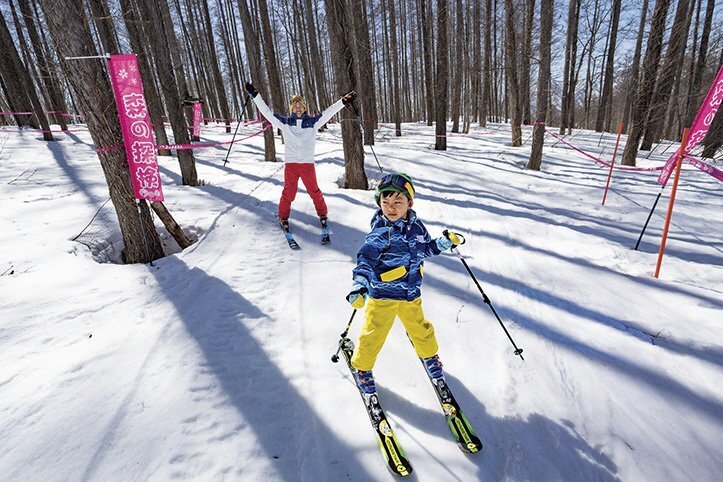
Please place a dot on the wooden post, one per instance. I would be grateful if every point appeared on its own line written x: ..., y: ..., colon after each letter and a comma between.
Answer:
x: 612, y: 163
x: 679, y: 163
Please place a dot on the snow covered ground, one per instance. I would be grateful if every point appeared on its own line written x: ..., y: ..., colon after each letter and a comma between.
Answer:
x: 213, y: 364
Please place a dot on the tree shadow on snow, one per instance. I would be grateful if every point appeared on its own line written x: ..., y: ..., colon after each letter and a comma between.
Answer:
x: 251, y: 379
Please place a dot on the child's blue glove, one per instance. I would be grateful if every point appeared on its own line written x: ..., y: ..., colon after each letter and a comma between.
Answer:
x: 449, y: 240
x: 358, y: 294
x: 444, y: 243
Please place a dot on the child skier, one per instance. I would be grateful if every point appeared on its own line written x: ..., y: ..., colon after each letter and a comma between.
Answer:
x: 299, y: 130
x: 389, y: 272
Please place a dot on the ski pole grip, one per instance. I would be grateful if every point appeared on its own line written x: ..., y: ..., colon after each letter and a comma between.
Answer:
x: 456, y: 238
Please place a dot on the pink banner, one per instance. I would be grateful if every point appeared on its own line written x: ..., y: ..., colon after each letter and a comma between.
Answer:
x: 136, y: 126
x: 197, y: 116
x: 699, y: 128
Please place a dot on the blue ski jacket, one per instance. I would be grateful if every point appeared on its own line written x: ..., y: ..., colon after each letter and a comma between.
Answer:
x: 392, y: 258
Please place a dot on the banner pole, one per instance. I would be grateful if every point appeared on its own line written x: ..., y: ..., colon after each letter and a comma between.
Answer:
x: 104, y: 56
x: 678, y: 167
x: 612, y: 163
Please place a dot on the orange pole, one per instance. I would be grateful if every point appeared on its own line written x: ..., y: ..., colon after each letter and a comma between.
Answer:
x: 612, y: 163
x: 679, y: 162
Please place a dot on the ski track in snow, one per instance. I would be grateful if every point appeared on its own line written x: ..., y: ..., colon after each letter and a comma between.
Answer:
x: 213, y: 364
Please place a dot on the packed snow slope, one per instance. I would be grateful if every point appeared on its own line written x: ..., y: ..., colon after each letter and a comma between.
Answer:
x: 214, y: 362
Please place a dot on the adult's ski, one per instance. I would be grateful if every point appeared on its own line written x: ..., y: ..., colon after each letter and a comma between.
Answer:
x: 394, y: 456
x: 460, y: 427
x: 287, y: 233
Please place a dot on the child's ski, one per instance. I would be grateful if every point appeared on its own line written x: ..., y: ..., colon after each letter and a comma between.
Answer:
x: 287, y: 233
x: 460, y: 427
x: 392, y: 452
x: 325, y: 239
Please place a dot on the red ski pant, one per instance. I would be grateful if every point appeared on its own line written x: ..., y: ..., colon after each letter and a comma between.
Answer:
x: 307, y: 172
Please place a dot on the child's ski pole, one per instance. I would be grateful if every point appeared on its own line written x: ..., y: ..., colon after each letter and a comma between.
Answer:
x: 335, y: 356
x: 518, y: 351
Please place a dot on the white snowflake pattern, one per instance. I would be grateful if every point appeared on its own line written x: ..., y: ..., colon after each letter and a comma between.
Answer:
x: 122, y: 74
x: 134, y: 81
x: 132, y: 68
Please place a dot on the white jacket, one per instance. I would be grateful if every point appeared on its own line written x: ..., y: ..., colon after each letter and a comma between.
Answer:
x: 299, y: 132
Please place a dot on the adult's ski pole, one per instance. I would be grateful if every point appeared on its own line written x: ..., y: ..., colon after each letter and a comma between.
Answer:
x: 243, y: 109
x: 356, y: 113
x: 518, y: 351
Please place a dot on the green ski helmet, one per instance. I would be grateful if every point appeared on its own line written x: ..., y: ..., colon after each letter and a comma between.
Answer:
x: 399, y: 182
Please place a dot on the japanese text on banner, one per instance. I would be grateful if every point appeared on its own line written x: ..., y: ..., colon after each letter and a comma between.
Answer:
x: 197, y: 115
x: 136, y: 127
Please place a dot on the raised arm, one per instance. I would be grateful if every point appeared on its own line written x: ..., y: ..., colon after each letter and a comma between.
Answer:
x: 263, y: 107
x: 334, y: 108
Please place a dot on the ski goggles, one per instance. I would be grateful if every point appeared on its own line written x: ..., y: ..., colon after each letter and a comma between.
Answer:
x: 396, y: 182
x: 297, y: 99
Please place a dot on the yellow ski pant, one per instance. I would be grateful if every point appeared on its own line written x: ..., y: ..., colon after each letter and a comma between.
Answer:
x: 380, y: 315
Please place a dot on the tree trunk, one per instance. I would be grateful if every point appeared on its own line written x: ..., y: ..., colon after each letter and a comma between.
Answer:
x: 396, y: 98
x: 94, y: 97
x: 441, y: 88
x: 573, y: 15
x: 316, y: 57
x: 342, y: 54
x: 104, y: 25
x: 171, y: 225
x: 19, y: 84
x: 458, y: 67
x: 278, y: 100
x: 632, y: 84
x: 647, y: 82
x: 367, y: 94
x: 605, y: 104
x: 213, y: 60
x: 253, y: 53
x: 525, y: 62
x: 428, y: 66
x: 696, y: 83
x: 543, y: 83
x: 673, y: 63
x: 159, y: 42
x: 153, y: 98
x: 486, y: 72
x: 47, y: 70
x: 513, y: 86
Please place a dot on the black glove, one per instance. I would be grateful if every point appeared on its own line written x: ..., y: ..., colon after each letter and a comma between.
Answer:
x: 251, y: 89
x: 348, y: 97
